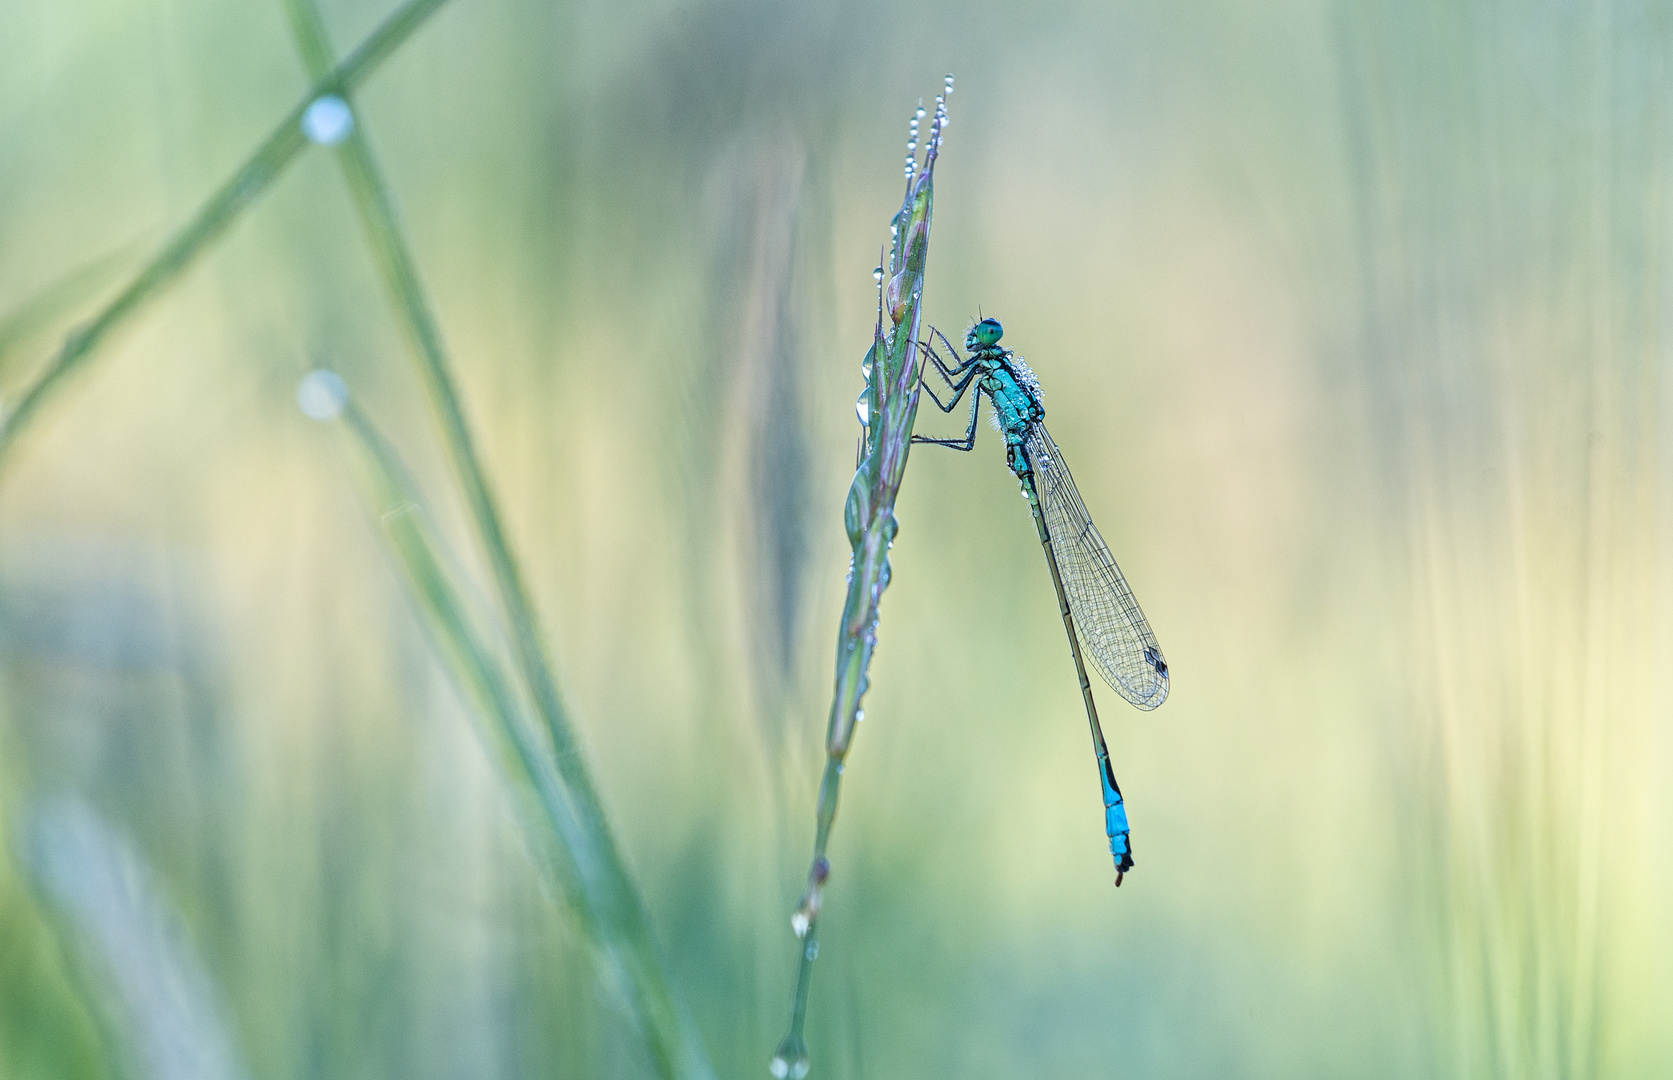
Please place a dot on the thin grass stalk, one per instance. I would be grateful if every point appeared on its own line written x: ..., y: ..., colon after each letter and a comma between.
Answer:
x: 46, y: 307
x: 612, y: 905
x: 557, y: 834
x: 892, y: 367
x: 213, y: 219
x: 467, y: 650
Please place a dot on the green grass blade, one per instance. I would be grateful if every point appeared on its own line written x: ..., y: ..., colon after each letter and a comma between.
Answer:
x: 46, y: 307
x: 621, y: 922
x: 467, y: 652
x: 224, y: 208
x: 869, y: 517
x: 145, y: 984
x: 559, y: 837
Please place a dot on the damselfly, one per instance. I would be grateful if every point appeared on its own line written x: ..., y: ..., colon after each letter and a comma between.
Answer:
x: 1098, y: 608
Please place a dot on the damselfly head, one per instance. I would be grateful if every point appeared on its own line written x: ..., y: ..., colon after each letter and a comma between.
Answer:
x: 984, y: 334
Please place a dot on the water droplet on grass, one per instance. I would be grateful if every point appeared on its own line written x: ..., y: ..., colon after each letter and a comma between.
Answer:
x: 322, y: 395
x: 790, y: 1062
x: 863, y: 408
x: 328, y: 120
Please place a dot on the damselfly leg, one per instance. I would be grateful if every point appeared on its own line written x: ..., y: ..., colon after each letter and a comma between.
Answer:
x: 958, y: 380
x: 951, y: 376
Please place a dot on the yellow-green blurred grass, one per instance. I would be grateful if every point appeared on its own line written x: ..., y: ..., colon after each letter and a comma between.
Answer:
x: 1513, y: 210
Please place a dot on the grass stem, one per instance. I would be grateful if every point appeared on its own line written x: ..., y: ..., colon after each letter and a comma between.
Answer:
x: 225, y: 207
x: 609, y: 903
x: 892, y: 367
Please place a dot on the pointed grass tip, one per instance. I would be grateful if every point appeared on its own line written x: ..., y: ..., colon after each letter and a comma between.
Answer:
x: 932, y: 145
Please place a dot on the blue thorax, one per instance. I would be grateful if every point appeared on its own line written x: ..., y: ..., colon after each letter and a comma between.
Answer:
x: 1014, y: 390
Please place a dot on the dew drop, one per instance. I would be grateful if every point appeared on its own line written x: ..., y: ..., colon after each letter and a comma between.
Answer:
x: 322, y: 395
x: 808, y: 910
x: 920, y: 112
x: 863, y: 408
x: 328, y: 120
x: 790, y: 1061
x: 877, y: 275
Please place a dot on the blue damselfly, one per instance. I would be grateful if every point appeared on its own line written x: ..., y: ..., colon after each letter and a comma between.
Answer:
x: 1099, y: 612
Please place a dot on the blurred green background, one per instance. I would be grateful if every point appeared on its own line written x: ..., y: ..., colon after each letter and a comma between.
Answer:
x: 1353, y: 319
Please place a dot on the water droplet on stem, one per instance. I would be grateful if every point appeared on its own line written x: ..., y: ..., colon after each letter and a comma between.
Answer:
x: 322, y: 395
x: 327, y: 120
x: 790, y: 1062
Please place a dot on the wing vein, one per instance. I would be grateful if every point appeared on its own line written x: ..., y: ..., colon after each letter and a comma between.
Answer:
x: 1113, y: 630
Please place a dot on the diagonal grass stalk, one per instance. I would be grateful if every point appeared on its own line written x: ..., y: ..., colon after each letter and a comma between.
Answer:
x: 608, y: 900
x: 213, y: 219
x: 558, y: 835
x: 888, y: 408
x: 465, y: 647
x: 45, y: 308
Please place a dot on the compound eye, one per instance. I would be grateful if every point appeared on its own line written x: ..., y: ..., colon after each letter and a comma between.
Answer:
x: 988, y: 332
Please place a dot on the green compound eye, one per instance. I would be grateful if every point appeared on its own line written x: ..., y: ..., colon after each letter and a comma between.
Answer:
x: 987, y: 332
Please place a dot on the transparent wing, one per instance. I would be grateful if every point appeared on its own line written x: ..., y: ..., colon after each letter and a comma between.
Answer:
x: 1112, y: 629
